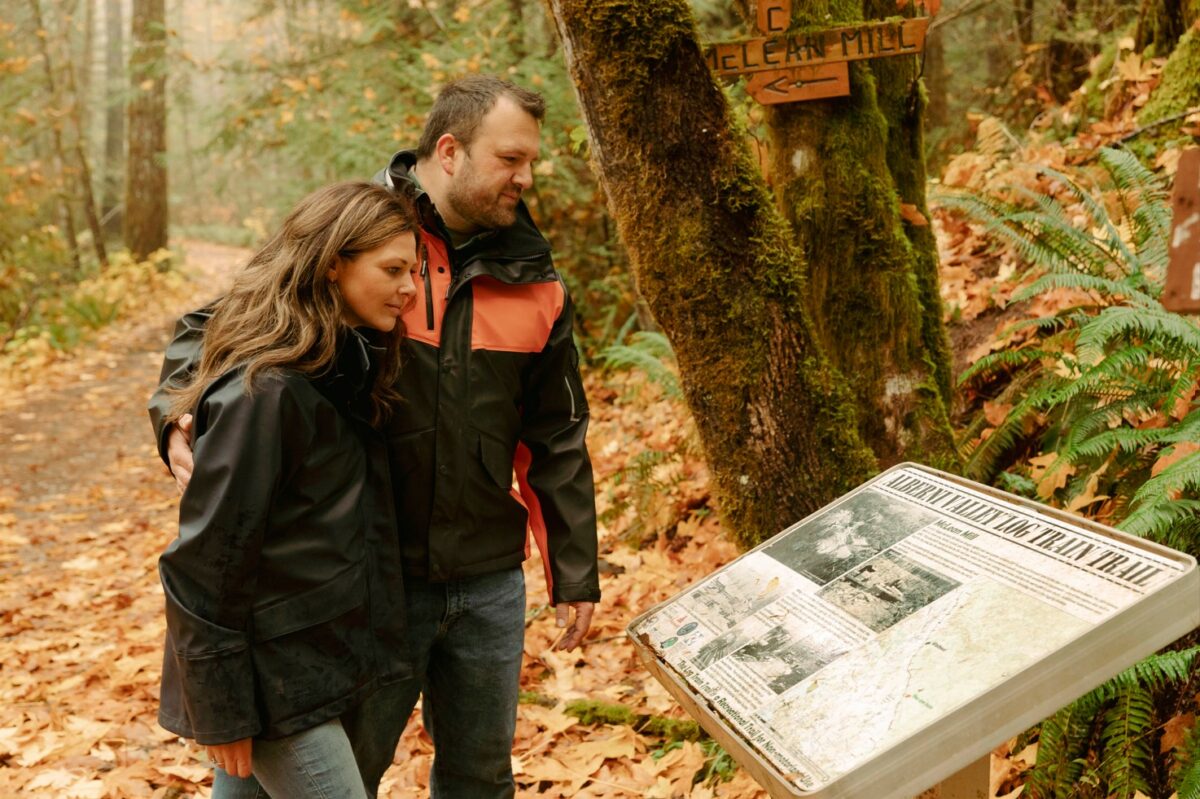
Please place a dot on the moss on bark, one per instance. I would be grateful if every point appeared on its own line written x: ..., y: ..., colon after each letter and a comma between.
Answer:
x: 1179, y: 89
x: 716, y: 263
x: 844, y: 167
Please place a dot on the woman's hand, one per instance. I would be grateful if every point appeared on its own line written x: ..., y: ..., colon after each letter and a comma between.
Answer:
x: 234, y: 757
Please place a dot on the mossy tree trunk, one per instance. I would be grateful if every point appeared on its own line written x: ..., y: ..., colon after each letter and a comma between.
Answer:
x: 716, y: 262
x: 845, y: 168
x: 1179, y: 90
x: 1162, y: 22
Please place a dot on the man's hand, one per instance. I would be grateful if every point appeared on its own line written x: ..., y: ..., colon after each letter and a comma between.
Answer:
x: 573, y: 637
x: 179, y: 451
x: 234, y: 757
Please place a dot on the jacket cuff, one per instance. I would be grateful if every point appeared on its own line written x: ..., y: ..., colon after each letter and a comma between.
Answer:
x: 218, y: 696
x: 576, y: 592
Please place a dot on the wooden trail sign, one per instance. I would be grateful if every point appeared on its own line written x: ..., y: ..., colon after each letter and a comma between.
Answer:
x: 876, y: 40
x: 797, y: 83
x: 898, y: 634
x: 1182, y: 290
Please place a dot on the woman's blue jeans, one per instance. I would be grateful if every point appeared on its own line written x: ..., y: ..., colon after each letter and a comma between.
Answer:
x: 317, y: 763
x: 466, y: 638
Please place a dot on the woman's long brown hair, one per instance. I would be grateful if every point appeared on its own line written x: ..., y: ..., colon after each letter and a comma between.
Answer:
x: 284, y: 312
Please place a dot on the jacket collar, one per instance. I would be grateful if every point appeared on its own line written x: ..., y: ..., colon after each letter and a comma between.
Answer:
x: 348, y: 381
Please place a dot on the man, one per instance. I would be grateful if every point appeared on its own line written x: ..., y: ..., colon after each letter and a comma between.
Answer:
x: 491, y: 381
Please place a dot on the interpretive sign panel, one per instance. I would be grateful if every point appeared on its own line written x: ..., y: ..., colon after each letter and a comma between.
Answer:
x: 901, y: 632
x: 1182, y: 289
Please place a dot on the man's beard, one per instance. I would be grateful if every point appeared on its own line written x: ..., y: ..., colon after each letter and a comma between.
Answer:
x: 474, y: 205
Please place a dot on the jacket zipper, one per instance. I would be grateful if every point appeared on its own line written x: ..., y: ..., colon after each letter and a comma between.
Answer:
x: 571, y: 394
x: 428, y: 291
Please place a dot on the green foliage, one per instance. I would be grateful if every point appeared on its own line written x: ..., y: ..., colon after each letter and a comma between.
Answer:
x: 1187, y: 778
x: 639, y: 486
x: 650, y: 352
x: 35, y: 262
x: 1108, y: 385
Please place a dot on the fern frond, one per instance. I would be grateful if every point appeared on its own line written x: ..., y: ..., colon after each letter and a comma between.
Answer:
x: 1062, y: 747
x: 1004, y: 360
x: 1123, y: 439
x: 1128, y: 756
x: 981, y: 461
x: 651, y: 353
x: 1173, y: 335
x: 1103, y: 286
x: 1155, y: 671
x: 1187, y: 779
x: 1123, y: 257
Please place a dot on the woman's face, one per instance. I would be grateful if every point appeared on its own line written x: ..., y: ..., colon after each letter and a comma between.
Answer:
x: 377, y: 285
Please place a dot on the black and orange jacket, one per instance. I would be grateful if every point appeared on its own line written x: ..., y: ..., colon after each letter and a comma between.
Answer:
x: 491, y: 387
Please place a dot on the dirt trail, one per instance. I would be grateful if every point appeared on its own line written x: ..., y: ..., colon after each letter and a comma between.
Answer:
x: 61, y: 436
x: 85, y: 507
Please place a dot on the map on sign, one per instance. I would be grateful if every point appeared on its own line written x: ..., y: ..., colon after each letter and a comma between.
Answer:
x: 880, y: 615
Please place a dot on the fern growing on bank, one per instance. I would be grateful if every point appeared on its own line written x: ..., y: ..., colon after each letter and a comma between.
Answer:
x: 1109, y: 386
x: 1110, y: 383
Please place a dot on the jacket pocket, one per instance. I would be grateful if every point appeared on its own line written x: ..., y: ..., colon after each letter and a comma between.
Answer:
x: 324, y: 603
x: 497, y: 460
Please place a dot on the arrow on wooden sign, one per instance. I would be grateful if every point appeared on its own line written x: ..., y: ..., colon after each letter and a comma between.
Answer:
x: 801, y: 83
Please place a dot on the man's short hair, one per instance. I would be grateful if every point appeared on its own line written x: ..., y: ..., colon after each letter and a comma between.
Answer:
x: 462, y: 104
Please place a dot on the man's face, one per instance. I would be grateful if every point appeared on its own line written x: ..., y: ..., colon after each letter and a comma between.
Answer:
x: 490, y: 175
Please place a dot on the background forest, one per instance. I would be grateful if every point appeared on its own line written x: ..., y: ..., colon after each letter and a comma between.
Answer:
x: 139, y: 136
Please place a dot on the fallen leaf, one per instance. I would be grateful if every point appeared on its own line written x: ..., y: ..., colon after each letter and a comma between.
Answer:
x: 996, y: 412
x: 1174, y: 455
x: 1175, y: 730
x: 910, y: 214
x: 193, y: 774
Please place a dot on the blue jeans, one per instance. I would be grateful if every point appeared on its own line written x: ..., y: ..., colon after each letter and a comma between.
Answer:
x: 317, y: 763
x: 465, y: 638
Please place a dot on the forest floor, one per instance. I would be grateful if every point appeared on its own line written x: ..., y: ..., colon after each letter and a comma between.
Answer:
x: 86, y: 507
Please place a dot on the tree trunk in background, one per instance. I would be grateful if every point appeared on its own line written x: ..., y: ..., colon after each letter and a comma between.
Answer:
x: 1023, y: 19
x: 1179, y: 90
x: 87, y: 194
x: 937, y: 113
x: 81, y: 185
x: 114, y: 117
x: 1161, y: 23
x: 84, y: 77
x: 146, y: 175
x: 843, y: 168
x: 715, y: 261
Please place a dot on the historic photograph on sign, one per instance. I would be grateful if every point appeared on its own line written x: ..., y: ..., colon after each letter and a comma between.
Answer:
x: 783, y: 657
x: 736, y: 593
x: 847, y: 536
x: 886, y: 589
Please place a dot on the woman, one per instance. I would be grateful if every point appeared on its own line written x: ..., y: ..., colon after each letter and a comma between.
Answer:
x: 283, y: 589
